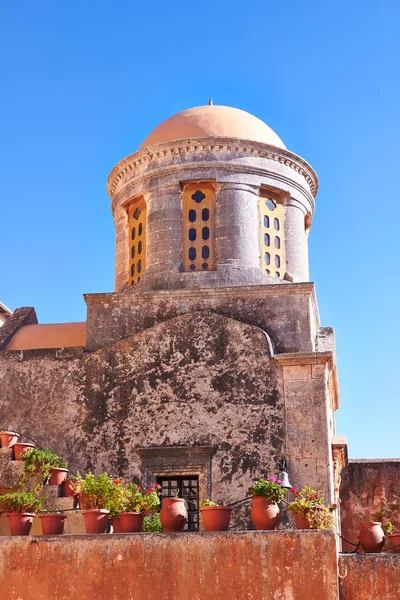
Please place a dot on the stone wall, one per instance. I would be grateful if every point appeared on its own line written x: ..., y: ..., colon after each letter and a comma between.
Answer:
x: 288, y: 312
x: 369, y: 490
x: 198, y: 380
x: 369, y: 577
x: 253, y: 565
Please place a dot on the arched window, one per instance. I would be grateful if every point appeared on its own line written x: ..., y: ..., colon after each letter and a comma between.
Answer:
x: 137, y: 240
x: 272, y: 241
x: 198, y: 202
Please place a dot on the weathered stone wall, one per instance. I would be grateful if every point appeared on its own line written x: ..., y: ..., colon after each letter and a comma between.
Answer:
x: 369, y: 577
x: 197, y: 380
x: 369, y: 490
x: 253, y: 565
x: 288, y: 312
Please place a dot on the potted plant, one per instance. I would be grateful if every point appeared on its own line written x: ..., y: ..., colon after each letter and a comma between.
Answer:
x: 95, y: 500
x: 310, y: 511
x: 137, y: 503
x: 21, y: 508
x: 51, y: 466
x: 52, y: 523
x: 394, y: 537
x: 117, y: 504
x: 215, y: 517
x: 267, y: 493
x: 173, y: 514
x: 371, y: 536
x: 8, y: 438
x: 19, y: 448
x: 70, y: 486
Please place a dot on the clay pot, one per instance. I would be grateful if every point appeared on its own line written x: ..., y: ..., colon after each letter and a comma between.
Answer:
x: 264, y: 515
x: 52, y: 524
x: 372, y: 537
x: 173, y: 514
x: 395, y: 542
x: 96, y: 520
x: 216, y: 518
x: 302, y: 523
x: 69, y: 489
x: 58, y: 475
x: 116, y: 524
x: 20, y: 448
x: 20, y: 523
x: 131, y: 521
x: 8, y: 438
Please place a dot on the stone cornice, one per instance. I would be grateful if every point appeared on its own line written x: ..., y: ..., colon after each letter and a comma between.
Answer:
x: 284, y: 289
x: 209, y: 144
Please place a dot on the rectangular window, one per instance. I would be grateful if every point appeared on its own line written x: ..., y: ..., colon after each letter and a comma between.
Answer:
x: 272, y: 241
x: 198, y: 200
x: 186, y: 487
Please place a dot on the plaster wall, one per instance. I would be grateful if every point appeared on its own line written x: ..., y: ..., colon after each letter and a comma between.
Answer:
x: 269, y: 565
x: 369, y: 490
x: 369, y: 577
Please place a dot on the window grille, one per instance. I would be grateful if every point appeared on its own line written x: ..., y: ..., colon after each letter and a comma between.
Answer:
x: 137, y: 240
x: 198, y: 203
x: 186, y: 487
x: 272, y: 242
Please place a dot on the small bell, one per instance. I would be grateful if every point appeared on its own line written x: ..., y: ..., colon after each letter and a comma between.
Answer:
x: 283, y: 476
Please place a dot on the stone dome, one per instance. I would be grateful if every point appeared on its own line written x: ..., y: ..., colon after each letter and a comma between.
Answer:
x: 213, y: 121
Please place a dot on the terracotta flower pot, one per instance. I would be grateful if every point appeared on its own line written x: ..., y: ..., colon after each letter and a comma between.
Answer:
x: 264, y: 515
x: 20, y: 448
x: 395, y: 542
x: 69, y: 489
x: 52, y: 524
x: 173, y: 514
x: 131, y: 521
x: 216, y: 518
x: 116, y: 524
x: 58, y: 475
x: 96, y: 520
x: 8, y: 438
x: 372, y: 537
x: 20, y: 523
x: 302, y: 522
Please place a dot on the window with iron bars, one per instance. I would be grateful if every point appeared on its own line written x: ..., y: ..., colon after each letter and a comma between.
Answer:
x: 186, y: 487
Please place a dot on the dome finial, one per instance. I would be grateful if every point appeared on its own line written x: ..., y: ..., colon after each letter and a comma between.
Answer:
x: 210, y: 102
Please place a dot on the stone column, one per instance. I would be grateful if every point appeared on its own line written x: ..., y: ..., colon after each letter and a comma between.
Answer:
x: 164, y: 234
x: 121, y: 250
x: 296, y: 242
x: 237, y: 225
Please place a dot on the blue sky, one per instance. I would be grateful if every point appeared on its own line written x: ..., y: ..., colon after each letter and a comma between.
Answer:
x: 84, y: 83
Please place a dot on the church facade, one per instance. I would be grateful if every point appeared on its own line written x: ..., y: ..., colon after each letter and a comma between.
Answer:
x: 208, y: 365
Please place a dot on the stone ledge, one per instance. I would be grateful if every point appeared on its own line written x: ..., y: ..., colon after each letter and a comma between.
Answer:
x: 144, y: 566
x: 369, y: 576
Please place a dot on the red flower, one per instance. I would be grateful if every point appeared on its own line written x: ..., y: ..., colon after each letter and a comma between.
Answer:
x: 158, y: 485
x: 117, y: 481
x: 150, y: 490
x: 293, y: 491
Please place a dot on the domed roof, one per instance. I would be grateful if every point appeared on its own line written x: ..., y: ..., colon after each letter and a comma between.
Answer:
x: 213, y: 121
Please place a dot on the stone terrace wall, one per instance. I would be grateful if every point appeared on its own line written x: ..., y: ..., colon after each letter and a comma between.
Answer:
x: 254, y: 565
x: 369, y: 488
x: 369, y: 577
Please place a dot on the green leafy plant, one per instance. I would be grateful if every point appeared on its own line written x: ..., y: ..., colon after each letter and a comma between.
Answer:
x: 97, y: 492
x: 21, y: 502
x: 152, y: 523
x: 310, y: 503
x: 270, y: 488
x: 207, y: 502
x: 139, y: 500
x: 38, y: 463
x: 388, y: 527
x: 118, y: 498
